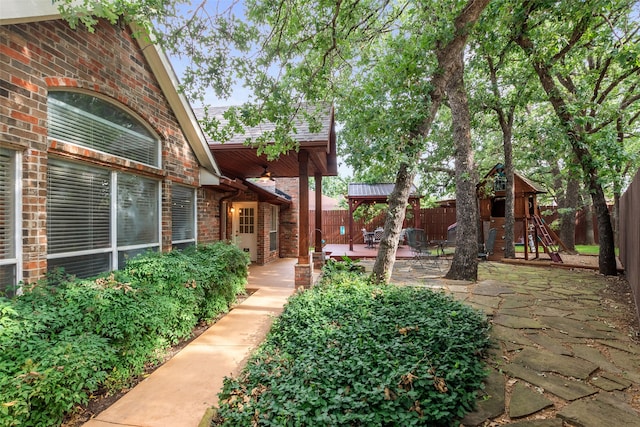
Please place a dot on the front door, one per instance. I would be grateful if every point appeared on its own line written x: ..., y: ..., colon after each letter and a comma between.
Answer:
x: 244, y: 227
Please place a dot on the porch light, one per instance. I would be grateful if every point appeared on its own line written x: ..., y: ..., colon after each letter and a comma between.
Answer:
x: 265, y: 176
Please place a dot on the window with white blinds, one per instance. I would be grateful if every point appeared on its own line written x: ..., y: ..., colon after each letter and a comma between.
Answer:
x: 8, y: 261
x: 91, y: 122
x: 138, y: 203
x: 182, y: 215
x: 273, y: 231
x: 87, y: 232
x: 78, y: 208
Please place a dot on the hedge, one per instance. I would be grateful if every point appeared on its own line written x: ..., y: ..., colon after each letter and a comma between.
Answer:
x: 64, y: 338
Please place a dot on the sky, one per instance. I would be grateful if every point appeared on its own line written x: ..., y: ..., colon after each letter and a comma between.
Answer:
x: 239, y: 94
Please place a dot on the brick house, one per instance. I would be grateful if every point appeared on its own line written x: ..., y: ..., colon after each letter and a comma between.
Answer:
x: 101, y: 158
x: 277, y: 188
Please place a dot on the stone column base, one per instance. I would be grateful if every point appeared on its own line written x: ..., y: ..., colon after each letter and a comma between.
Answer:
x: 318, y: 260
x: 303, y: 276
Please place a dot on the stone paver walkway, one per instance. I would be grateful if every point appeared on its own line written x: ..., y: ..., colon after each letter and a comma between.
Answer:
x: 560, y: 355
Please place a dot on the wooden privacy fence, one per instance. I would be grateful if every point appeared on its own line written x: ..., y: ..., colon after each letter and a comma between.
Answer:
x: 335, y: 227
x: 630, y: 237
x: 435, y: 222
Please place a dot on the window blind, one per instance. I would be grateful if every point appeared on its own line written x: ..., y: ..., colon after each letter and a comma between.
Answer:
x: 84, y: 265
x: 72, y: 124
x: 137, y: 212
x: 182, y: 213
x: 78, y: 207
x: 7, y: 204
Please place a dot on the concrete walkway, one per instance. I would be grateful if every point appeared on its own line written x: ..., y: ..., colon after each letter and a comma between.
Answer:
x: 179, y: 392
x: 563, y: 350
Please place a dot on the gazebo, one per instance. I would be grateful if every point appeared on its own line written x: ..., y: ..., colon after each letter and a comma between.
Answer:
x: 360, y: 193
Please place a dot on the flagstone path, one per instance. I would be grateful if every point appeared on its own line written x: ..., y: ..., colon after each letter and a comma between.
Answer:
x: 565, y: 352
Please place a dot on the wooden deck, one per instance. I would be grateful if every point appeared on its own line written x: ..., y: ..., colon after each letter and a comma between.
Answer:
x: 361, y: 251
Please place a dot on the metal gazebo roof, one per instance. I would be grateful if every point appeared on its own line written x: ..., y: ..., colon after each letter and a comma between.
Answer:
x: 361, y: 193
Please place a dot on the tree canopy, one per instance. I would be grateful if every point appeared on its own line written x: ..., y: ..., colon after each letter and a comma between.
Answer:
x: 548, y: 86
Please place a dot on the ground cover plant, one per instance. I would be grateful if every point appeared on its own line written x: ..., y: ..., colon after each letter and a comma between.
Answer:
x: 347, y: 352
x: 65, y: 339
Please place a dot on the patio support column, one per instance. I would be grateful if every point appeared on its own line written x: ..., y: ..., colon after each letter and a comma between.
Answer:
x: 351, y: 209
x: 318, y: 253
x: 304, y: 268
x: 303, y: 233
x: 318, y: 230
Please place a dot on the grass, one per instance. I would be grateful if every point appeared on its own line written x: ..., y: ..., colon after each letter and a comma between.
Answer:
x: 581, y: 249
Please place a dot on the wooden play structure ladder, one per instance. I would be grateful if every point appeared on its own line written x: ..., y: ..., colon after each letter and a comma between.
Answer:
x: 549, y: 244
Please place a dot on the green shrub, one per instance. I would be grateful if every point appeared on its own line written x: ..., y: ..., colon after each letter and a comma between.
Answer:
x: 58, y: 344
x: 350, y: 353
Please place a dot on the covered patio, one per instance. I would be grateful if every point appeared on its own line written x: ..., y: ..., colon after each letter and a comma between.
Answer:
x: 314, y: 158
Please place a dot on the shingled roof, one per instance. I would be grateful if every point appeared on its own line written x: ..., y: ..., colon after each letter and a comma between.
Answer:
x: 302, y: 134
x: 239, y: 160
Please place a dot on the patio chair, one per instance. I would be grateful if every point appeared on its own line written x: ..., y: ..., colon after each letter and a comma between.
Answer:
x: 367, y: 236
x: 377, y: 235
x: 487, y: 249
x: 416, y: 239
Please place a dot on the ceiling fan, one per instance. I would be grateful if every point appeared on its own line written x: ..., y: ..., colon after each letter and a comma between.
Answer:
x: 265, y: 176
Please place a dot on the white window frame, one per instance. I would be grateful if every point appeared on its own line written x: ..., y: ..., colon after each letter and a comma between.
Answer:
x: 273, y: 227
x: 113, y: 249
x: 16, y: 260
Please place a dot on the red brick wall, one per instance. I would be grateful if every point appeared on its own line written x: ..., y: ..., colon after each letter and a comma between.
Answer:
x: 41, y: 56
x: 208, y: 216
x: 289, y: 218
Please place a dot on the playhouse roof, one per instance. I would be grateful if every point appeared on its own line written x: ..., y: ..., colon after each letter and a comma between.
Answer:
x: 531, y: 186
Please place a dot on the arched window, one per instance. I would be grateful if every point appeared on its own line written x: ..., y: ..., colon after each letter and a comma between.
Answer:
x: 91, y: 122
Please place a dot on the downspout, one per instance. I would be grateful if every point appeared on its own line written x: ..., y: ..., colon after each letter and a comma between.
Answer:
x: 220, y: 202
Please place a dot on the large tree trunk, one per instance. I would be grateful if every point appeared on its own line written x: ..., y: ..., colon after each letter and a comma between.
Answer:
x: 568, y: 197
x: 509, y: 213
x: 590, y: 237
x: 606, y: 254
x: 576, y: 137
x: 616, y: 218
x: 465, y: 259
x: 448, y: 56
x: 505, y: 119
x: 388, y: 247
x: 568, y: 205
